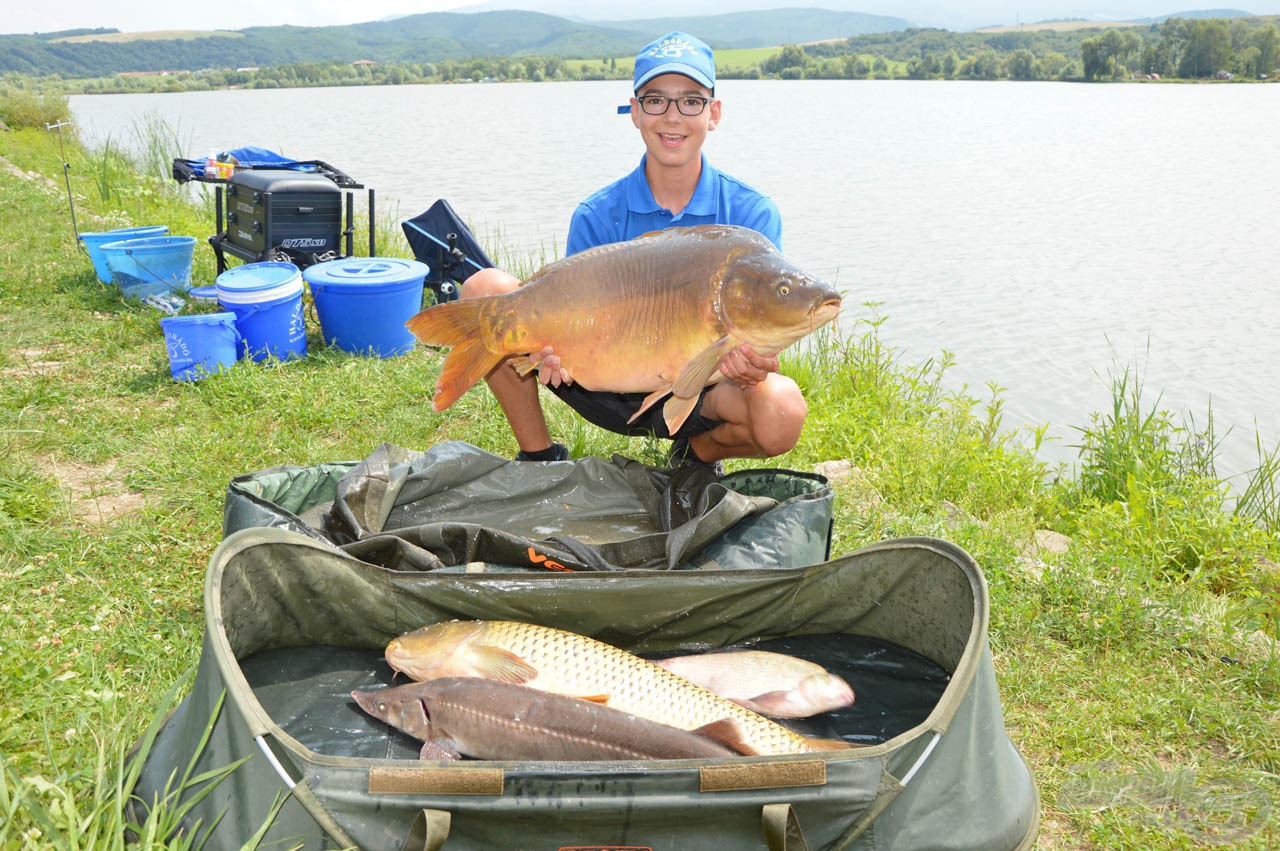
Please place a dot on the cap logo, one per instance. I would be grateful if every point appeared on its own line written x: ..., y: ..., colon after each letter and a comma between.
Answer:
x: 672, y: 48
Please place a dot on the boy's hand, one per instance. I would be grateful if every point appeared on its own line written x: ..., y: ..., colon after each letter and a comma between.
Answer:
x: 746, y: 367
x: 550, y: 371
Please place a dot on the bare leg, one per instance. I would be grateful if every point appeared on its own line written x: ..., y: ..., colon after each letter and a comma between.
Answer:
x: 759, y: 423
x: 517, y: 395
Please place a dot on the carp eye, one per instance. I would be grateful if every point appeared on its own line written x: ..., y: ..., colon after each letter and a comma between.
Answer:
x: 784, y: 289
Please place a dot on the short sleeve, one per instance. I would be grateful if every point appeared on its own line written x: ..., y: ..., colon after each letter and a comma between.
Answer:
x: 585, y: 231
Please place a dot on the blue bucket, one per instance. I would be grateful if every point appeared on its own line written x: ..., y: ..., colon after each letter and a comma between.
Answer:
x: 266, y: 299
x: 199, y: 345
x: 93, y: 243
x: 363, y: 302
x: 153, y: 265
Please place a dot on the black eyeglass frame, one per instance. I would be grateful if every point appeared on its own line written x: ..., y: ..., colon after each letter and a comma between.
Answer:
x: 678, y: 101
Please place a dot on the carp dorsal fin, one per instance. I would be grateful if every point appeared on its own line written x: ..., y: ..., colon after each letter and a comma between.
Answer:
x: 495, y: 663
x: 728, y: 732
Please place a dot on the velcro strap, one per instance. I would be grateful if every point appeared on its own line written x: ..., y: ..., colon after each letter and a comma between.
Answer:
x: 435, y: 781
x: 771, y: 775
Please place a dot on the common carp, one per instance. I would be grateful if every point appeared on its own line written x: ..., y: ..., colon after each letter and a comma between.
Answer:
x: 769, y: 683
x: 570, y: 664
x: 653, y: 315
x: 488, y: 719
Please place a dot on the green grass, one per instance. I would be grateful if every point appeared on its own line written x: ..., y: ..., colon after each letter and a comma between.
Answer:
x: 1141, y: 649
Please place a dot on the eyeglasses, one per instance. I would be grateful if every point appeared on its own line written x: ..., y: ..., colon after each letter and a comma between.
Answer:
x: 659, y: 104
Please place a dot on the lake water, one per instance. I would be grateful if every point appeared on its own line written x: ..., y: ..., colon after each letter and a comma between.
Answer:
x: 1047, y: 235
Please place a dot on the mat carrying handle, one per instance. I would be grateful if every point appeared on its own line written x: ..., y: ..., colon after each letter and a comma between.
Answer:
x: 781, y: 829
x: 429, y: 831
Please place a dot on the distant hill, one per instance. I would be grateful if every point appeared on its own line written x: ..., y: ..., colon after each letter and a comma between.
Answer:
x: 431, y: 37
x: 1197, y: 13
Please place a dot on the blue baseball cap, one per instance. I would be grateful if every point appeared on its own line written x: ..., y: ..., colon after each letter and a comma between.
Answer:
x: 674, y: 53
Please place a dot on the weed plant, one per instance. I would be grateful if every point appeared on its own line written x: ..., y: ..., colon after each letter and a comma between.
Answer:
x: 1144, y: 646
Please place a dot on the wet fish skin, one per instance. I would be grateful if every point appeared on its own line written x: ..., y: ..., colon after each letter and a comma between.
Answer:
x: 488, y: 719
x: 655, y: 314
x: 769, y: 683
x: 570, y: 664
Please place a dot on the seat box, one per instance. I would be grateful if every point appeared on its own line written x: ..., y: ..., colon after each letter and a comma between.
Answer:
x: 269, y: 208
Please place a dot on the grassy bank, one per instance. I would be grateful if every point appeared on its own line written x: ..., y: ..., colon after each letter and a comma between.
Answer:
x: 1134, y: 641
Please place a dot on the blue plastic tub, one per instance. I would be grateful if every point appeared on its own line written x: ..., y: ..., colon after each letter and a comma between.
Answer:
x: 151, y: 266
x: 266, y: 299
x: 199, y: 345
x: 93, y: 243
x: 363, y: 302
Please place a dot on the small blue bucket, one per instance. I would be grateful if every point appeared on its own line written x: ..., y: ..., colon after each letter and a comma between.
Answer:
x: 153, y: 265
x: 93, y: 243
x: 266, y: 299
x: 199, y: 345
x: 363, y: 302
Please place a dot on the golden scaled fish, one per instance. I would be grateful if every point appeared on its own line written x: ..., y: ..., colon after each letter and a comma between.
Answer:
x: 769, y: 683
x: 566, y: 663
x: 653, y: 315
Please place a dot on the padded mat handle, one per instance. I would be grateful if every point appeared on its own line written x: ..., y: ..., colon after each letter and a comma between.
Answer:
x: 781, y: 829
x: 429, y: 831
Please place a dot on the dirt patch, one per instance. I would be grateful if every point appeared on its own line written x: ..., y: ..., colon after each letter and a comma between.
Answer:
x: 31, y: 362
x: 1056, y: 835
x: 96, y: 492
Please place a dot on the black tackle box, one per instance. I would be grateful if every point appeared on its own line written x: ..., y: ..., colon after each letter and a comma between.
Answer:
x: 293, y: 210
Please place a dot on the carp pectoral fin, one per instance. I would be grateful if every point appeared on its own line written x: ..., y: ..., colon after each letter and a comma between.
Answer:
x: 494, y: 663
x: 677, y: 410
x: 466, y: 363
x: 440, y: 749
x: 727, y: 732
x: 782, y: 703
x: 697, y: 371
x: 650, y: 400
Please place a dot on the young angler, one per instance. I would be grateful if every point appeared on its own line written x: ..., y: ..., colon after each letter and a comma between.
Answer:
x: 756, y: 412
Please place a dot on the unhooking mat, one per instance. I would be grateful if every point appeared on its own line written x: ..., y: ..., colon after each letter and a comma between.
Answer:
x: 455, y: 506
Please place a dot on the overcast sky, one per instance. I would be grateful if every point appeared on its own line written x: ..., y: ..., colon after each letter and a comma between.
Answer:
x: 141, y: 15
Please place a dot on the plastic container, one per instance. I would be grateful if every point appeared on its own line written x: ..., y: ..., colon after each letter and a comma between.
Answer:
x: 151, y: 266
x: 199, y: 345
x: 266, y: 299
x: 364, y: 302
x: 93, y: 243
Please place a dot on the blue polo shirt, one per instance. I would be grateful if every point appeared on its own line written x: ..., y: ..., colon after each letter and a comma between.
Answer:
x: 626, y: 209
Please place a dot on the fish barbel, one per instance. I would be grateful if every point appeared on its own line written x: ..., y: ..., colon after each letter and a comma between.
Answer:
x: 488, y: 719
x: 653, y: 315
x: 566, y: 663
x: 770, y: 683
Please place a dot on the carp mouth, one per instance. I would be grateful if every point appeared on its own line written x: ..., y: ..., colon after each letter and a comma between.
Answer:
x: 824, y: 311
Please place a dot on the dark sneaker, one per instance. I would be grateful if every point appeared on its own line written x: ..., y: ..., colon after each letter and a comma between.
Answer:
x: 554, y: 452
x: 682, y: 455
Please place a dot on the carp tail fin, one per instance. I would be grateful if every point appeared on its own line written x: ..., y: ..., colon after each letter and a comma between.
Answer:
x: 455, y: 324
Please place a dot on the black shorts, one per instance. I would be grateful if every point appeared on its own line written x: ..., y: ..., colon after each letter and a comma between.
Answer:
x: 611, y: 411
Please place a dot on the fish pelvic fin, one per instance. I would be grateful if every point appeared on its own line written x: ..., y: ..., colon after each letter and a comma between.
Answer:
x: 783, y: 703
x: 728, y: 732
x: 494, y: 663
x: 677, y: 410
x: 687, y: 387
x: 650, y: 400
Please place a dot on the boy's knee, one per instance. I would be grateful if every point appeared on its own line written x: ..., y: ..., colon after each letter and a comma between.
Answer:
x: 491, y: 281
x: 778, y: 416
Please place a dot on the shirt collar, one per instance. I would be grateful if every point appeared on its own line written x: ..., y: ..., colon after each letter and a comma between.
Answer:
x: 703, y: 203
